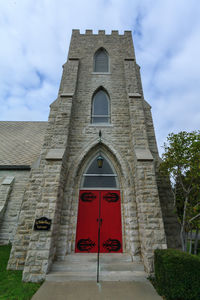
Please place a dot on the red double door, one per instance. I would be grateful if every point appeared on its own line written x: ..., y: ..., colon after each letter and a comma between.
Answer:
x: 99, y: 221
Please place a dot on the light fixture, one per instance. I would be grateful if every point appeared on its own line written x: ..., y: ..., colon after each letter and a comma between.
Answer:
x: 100, y: 161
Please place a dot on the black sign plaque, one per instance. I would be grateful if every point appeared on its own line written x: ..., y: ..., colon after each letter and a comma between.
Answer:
x: 42, y: 223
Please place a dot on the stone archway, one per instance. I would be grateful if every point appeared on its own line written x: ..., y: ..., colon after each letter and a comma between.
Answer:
x: 69, y: 211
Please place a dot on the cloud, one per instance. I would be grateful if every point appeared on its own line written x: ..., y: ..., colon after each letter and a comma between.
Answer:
x: 35, y: 37
x: 168, y: 54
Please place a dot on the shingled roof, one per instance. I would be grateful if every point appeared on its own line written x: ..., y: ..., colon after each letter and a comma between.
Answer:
x: 20, y: 142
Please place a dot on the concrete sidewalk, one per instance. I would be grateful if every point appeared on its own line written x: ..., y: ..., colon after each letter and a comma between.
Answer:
x: 90, y: 290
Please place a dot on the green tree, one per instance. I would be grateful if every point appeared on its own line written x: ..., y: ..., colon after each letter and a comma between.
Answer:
x: 181, y: 162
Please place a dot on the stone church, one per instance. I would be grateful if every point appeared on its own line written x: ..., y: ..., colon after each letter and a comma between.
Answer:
x: 87, y: 180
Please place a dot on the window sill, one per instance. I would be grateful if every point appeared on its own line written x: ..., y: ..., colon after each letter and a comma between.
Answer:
x: 100, y: 125
x: 101, y: 73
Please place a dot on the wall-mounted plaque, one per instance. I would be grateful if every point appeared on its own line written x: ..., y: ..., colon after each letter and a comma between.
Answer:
x: 42, y: 223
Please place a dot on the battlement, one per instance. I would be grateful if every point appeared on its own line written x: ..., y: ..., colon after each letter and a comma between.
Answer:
x: 90, y: 41
x: 101, y: 32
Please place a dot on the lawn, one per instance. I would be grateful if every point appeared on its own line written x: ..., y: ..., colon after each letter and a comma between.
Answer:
x: 11, y: 285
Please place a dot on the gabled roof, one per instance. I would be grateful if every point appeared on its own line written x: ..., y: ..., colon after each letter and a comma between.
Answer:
x: 20, y: 142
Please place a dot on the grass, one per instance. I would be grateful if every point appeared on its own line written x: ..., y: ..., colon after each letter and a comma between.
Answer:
x: 11, y: 285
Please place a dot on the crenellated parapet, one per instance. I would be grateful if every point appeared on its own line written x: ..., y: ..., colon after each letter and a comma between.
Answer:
x: 126, y: 33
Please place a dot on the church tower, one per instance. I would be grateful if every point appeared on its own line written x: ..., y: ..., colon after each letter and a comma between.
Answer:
x: 98, y: 168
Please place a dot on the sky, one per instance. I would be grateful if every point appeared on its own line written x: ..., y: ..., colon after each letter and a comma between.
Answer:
x: 35, y: 36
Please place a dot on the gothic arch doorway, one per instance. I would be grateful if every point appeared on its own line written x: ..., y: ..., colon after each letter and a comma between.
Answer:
x: 99, y: 213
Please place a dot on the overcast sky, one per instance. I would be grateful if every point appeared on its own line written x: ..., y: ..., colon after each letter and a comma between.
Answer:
x: 35, y: 37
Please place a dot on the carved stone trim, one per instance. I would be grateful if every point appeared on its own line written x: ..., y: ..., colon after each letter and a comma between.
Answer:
x: 55, y: 154
x: 143, y: 154
x: 134, y: 95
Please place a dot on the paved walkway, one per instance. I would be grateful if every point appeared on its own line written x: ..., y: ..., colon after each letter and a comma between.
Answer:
x: 90, y: 290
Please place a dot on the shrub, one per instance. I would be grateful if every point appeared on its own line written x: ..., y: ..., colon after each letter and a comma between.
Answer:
x: 177, y: 275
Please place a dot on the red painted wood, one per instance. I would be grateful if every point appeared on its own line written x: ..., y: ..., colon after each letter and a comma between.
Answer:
x: 111, y: 229
x: 109, y: 205
x: 87, y: 229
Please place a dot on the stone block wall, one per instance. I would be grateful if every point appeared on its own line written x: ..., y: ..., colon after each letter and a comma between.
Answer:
x: 172, y: 227
x: 5, y: 190
x: 127, y: 131
x: 34, y: 251
x: 151, y: 227
x: 12, y: 192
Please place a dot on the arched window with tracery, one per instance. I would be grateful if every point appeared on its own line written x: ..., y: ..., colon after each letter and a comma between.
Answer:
x: 101, y: 61
x: 96, y: 177
x: 100, y: 107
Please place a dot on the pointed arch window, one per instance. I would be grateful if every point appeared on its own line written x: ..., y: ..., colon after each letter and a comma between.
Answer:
x: 96, y: 177
x: 101, y: 107
x: 101, y: 61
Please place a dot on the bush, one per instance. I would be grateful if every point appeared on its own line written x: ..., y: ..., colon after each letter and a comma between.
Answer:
x: 177, y: 275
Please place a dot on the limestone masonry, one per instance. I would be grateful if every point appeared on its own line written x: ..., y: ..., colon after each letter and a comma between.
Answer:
x: 100, y: 67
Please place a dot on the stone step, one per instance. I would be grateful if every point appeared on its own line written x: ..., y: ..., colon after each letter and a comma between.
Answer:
x: 103, y: 276
x: 78, y: 266
x: 83, y: 267
x: 75, y: 266
x: 104, y: 257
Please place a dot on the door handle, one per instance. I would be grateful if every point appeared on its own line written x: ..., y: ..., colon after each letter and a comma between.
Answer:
x: 101, y: 221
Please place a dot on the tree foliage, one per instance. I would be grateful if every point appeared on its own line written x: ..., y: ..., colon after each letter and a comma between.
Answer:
x: 181, y: 162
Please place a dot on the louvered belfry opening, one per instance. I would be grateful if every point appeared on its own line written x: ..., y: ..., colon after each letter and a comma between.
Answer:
x: 101, y: 61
